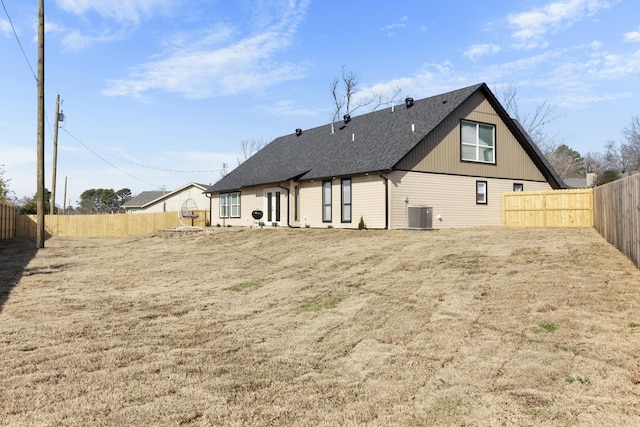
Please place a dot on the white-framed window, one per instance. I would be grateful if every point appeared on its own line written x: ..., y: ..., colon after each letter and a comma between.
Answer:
x: 477, y: 142
x: 481, y: 192
x: 230, y: 205
x: 518, y: 186
x: 326, y: 201
x: 296, y: 203
x: 235, y: 204
x: 346, y: 200
x: 224, y: 205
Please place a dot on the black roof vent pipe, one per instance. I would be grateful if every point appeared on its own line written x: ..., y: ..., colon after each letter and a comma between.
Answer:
x: 408, y: 102
x: 298, y: 132
x: 347, y: 118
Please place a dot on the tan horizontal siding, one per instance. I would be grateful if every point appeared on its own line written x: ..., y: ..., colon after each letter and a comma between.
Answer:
x: 367, y: 201
x: 452, y: 197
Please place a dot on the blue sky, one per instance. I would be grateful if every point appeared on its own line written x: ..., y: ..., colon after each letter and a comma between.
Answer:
x: 163, y: 92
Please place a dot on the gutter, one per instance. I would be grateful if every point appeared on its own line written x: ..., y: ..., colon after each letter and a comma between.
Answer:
x: 210, y: 197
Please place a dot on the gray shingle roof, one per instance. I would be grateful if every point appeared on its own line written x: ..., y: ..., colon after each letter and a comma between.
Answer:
x: 143, y: 198
x: 371, y: 142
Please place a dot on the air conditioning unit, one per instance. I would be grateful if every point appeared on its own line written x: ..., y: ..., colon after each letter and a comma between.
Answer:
x: 420, y: 217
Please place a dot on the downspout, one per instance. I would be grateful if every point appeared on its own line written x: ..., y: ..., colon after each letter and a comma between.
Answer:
x: 210, y: 207
x: 386, y: 201
x: 288, y: 205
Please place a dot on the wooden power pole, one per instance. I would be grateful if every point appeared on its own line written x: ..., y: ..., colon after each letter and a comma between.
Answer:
x: 40, y: 194
x: 54, y: 165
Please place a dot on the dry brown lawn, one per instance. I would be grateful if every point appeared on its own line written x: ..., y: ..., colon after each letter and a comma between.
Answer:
x: 485, y: 326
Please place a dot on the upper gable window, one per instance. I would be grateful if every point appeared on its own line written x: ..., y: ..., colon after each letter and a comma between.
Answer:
x: 478, y: 142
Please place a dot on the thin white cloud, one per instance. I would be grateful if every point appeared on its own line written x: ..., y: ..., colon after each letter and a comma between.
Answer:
x: 118, y: 10
x: 5, y: 28
x: 203, y: 69
x: 633, y: 36
x: 476, y: 51
x: 530, y: 27
x: 579, y: 100
x: 18, y: 155
x: 391, y: 28
x: 75, y: 41
x: 290, y: 108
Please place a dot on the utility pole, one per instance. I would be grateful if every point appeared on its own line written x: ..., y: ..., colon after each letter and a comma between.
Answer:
x: 64, y: 200
x: 40, y: 194
x: 59, y: 118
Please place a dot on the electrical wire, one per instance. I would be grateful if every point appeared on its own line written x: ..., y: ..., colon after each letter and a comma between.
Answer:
x: 94, y: 149
x: 109, y: 163
x: 18, y: 39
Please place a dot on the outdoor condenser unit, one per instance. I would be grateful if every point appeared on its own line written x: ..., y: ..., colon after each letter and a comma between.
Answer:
x: 420, y: 217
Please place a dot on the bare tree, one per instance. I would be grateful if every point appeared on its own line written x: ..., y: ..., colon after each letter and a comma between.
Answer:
x: 250, y: 147
x: 535, y: 123
x: 567, y: 162
x: 344, y: 88
x: 630, y: 149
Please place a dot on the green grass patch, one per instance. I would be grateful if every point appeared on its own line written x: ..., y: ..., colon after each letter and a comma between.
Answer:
x: 545, y: 327
x: 322, y: 302
x: 244, y: 286
x: 633, y: 325
x: 581, y: 379
x: 449, y: 407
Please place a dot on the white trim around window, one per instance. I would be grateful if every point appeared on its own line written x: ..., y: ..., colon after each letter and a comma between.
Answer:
x: 481, y: 192
x: 230, y: 205
x: 477, y: 142
x: 346, y: 199
x: 326, y: 201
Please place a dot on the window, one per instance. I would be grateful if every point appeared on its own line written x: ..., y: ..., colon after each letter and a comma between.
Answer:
x: 235, y: 205
x: 230, y: 205
x: 477, y: 142
x: 224, y: 205
x: 346, y: 200
x: 517, y: 186
x: 326, y: 201
x: 296, y: 203
x: 481, y: 192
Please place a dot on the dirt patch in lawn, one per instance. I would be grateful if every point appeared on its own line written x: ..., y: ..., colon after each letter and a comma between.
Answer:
x: 486, y: 326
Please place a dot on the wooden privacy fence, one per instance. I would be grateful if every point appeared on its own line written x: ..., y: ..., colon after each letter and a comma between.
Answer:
x: 105, y: 225
x: 617, y: 215
x: 8, y: 216
x: 554, y: 208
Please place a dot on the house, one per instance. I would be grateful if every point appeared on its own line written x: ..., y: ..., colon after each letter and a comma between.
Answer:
x: 169, y: 201
x: 588, y: 181
x: 453, y: 154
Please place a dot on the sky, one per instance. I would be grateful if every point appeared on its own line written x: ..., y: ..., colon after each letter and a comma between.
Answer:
x: 160, y: 93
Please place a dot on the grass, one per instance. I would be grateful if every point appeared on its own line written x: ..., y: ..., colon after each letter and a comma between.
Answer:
x: 322, y: 302
x: 546, y: 327
x: 310, y: 327
x: 581, y: 379
x: 244, y: 286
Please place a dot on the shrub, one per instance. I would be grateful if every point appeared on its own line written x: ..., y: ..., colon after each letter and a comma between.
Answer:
x: 361, y: 224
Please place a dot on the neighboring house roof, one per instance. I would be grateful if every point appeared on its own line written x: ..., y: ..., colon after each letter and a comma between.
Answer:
x: 371, y: 142
x: 576, y: 182
x: 142, y: 199
x: 151, y: 197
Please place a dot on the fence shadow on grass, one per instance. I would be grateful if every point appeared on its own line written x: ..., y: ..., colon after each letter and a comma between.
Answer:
x: 15, y: 254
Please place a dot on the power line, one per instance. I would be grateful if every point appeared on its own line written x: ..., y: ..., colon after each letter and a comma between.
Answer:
x: 93, y: 149
x: 109, y: 163
x: 18, y: 39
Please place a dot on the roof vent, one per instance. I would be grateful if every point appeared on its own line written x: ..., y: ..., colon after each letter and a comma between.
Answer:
x: 298, y: 132
x: 347, y: 118
x: 408, y: 101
